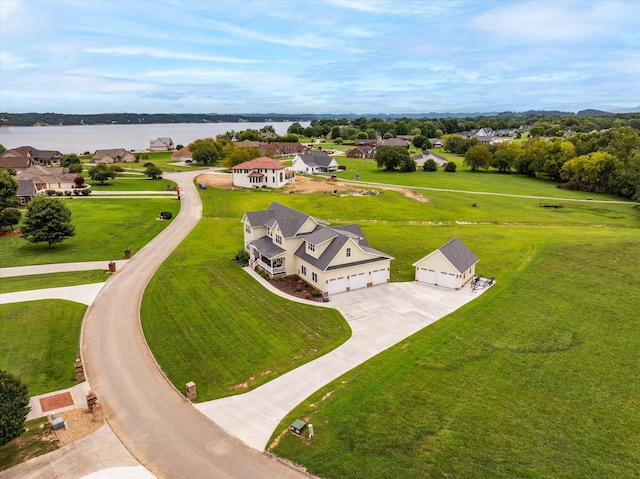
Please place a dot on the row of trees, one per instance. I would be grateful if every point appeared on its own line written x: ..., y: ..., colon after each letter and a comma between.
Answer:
x: 221, y: 150
x: 607, y: 162
x: 542, y: 124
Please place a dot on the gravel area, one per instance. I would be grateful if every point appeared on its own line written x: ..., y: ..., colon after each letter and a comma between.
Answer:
x: 80, y: 423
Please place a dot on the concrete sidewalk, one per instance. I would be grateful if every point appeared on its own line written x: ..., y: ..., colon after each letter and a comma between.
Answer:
x: 99, y: 455
x: 84, y: 294
x: 379, y: 317
x: 59, y: 268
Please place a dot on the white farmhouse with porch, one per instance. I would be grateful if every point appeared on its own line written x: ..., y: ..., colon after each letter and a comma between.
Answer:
x: 452, y: 266
x: 283, y: 241
x: 263, y: 172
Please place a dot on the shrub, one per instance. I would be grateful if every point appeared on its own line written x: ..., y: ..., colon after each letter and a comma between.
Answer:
x: 315, y: 293
x: 14, y: 404
x: 86, y: 192
x: 242, y: 257
x: 450, y: 167
x: 59, y: 193
x: 166, y: 215
x: 430, y: 165
x: 263, y: 273
x: 67, y: 193
x: 76, y: 192
x: 79, y: 181
x: 50, y: 192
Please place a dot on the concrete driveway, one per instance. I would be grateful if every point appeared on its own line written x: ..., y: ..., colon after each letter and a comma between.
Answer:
x: 379, y: 316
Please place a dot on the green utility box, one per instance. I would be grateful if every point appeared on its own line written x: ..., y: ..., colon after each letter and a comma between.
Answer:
x: 298, y: 426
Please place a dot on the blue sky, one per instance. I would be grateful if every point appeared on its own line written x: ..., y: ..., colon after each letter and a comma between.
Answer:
x: 333, y: 56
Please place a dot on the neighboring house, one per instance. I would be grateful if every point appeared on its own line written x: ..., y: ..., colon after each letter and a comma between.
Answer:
x: 248, y: 144
x: 361, y: 152
x: 484, y: 131
x: 425, y: 155
x: 182, y: 154
x: 365, y: 142
x: 17, y: 158
x: 267, y: 134
x: 436, y: 143
x: 262, y: 172
x: 51, y: 178
x: 283, y: 241
x: 394, y: 142
x: 116, y: 155
x: 407, y: 138
x: 451, y: 266
x: 161, y: 144
x: 278, y: 149
x: 314, y: 162
x: 27, y: 156
x: 26, y: 191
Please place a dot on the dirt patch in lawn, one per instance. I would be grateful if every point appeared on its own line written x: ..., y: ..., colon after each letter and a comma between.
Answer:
x: 304, y: 185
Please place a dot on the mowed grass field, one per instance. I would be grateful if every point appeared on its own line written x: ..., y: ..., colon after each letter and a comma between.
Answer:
x: 39, y: 342
x: 529, y: 380
x: 208, y: 321
x: 52, y: 280
x: 104, y: 229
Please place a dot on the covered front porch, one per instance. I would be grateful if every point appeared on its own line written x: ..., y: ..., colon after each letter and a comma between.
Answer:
x: 267, y: 256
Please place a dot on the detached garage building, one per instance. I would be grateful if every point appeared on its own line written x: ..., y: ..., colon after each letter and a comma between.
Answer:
x: 451, y: 266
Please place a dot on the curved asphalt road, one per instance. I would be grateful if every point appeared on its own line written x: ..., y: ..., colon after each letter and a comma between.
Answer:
x: 162, y: 430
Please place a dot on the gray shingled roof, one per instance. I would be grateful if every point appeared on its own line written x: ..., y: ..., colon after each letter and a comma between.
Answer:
x: 316, y: 158
x: 340, y: 237
x: 320, y: 235
x: 458, y: 254
x: 26, y: 188
x: 267, y: 248
x: 289, y: 220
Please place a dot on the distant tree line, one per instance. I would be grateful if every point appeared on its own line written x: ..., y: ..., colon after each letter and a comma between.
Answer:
x: 607, y: 161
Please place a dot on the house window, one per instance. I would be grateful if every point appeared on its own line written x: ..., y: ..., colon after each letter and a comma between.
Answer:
x: 247, y: 228
x: 279, y: 239
x: 314, y: 277
x: 311, y: 247
x: 304, y: 270
x: 269, y: 232
x: 348, y: 252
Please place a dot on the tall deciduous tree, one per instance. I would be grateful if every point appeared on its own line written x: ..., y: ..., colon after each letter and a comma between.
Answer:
x: 392, y: 157
x: 153, y: 171
x: 477, y: 157
x: 14, y: 406
x: 8, y: 190
x: 206, y: 150
x: 48, y: 220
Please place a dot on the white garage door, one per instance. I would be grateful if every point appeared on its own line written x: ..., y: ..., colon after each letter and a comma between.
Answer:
x: 337, y: 285
x: 426, y: 275
x: 379, y: 276
x: 357, y: 281
x: 447, y: 280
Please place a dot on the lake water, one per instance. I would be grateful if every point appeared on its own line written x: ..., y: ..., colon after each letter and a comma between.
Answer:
x: 81, y: 138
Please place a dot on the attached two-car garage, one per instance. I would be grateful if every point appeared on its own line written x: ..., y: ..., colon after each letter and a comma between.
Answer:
x: 358, y: 281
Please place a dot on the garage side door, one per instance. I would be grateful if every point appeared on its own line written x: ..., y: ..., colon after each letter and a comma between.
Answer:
x: 337, y: 285
x: 448, y: 280
x: 379, y: 276
x: 357, y: 281
x: 427, y: 275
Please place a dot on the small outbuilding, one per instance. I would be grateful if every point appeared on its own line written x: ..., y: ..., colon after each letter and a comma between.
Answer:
x: 452, y: 266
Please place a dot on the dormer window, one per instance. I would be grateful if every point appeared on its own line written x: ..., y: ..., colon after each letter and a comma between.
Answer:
x: 311, y: 247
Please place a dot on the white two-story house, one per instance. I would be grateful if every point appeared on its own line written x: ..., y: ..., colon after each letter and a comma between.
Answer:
x: 263, y: 172
x: 283, y: 241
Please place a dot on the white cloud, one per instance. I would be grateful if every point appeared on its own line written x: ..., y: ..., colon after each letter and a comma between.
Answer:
x: 9, y: 61
x: 157, y: 53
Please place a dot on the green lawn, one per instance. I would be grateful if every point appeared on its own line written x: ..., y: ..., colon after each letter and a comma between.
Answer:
x: 52, y: 280
x: 463, y: 179
x: 39, y: 342
x: 132, y: 183
x: 104, y: 229
x: 208, y: 321
x: 533, y: 379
